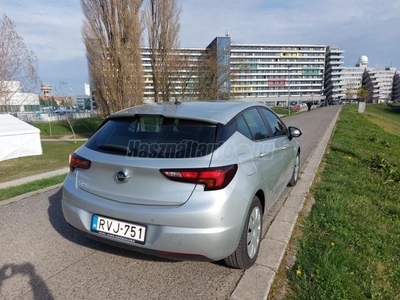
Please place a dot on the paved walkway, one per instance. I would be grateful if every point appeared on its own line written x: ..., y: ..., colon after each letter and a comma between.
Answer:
x: 64, y: 138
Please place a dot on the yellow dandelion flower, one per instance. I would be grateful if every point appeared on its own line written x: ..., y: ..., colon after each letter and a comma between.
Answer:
x: 332, y: 244
x: 298, y: 272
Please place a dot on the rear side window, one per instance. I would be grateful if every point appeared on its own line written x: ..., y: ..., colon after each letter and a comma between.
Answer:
x: 256, y: 124
x: 155, y: 137
x: 277, y: 126
x: 243, y: 128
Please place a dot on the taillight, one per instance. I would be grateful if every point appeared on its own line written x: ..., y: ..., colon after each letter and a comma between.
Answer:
x: 212, y: 178
x: 76, y: 161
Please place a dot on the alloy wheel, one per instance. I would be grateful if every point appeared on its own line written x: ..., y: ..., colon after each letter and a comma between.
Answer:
x: 253, y: 232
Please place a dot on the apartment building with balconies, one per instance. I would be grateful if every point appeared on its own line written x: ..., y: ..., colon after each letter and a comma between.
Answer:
x: 396, y: 87
x: 277, y: 74
x: 269, y: 73
x: 351, y: 78
x: 379, y: 84
x: 185, y: 72
x: 333, y: 86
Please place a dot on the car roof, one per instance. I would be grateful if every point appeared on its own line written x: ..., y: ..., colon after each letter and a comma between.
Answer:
x: 211, y: 111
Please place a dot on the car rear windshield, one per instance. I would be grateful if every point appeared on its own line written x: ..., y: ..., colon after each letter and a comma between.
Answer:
x: 155, y: 137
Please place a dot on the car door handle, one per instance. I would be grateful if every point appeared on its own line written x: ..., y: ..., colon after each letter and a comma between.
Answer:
x: 263, y: 154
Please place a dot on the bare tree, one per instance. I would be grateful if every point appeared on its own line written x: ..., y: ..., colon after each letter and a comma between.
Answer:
x: 162, y: 18
x: 214, y: 75
x: 188, y: 71
x: 206, y: 77
x: 18, y: 66
x: 112, y: 32
x: 350, y: 90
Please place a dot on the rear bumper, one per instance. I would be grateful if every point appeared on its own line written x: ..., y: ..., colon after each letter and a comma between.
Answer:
x: 207, y: 226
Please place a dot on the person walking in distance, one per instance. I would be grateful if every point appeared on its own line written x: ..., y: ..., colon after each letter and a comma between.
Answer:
x: 309, y: 104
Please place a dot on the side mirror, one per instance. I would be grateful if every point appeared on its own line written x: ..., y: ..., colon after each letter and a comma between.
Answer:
x: 294, y: 132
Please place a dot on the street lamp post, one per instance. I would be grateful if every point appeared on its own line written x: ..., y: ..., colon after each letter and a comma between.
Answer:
x: 288, y: 90
x: 50, y: 115
x: 312, y: 93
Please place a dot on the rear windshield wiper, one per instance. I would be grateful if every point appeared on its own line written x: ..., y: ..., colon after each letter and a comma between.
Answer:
x: 115, y: 148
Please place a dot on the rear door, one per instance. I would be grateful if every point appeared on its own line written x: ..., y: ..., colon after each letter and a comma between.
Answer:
x: 280, y: 134
x: 267, y: 153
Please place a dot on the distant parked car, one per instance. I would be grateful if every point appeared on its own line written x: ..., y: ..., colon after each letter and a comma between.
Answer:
x: 296, y: 107
x: 188, y: 180
x: 61, y: 111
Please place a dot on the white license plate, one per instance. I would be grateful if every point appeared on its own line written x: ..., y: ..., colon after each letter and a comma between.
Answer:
x: 119, y: 229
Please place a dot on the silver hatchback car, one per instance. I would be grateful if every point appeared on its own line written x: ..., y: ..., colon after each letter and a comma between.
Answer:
x: 184, y: 180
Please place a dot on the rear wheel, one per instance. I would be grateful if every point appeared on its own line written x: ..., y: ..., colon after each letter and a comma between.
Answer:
x: 249, y: 245
x: 296, y: 171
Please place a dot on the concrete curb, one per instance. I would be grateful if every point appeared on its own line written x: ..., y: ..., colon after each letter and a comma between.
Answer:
x: 256, y: 282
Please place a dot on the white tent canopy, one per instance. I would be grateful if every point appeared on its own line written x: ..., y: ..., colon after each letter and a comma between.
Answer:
x: 18, y: 138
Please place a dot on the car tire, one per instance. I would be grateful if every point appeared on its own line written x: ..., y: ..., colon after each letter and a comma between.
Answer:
x: 249, y: 245
x: 296, y: 171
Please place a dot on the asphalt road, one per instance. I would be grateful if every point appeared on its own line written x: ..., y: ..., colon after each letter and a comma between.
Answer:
x: 42, y: 257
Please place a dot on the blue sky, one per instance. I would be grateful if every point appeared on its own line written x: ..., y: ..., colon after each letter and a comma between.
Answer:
x: 52, y: 30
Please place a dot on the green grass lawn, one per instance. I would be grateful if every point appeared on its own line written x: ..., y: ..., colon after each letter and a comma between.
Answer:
x: 348, y: 246
x: 83, y: 128
x: 280, y: 110
x: 30, y: 187
x: 384, y: 117
x: 55, y: 156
